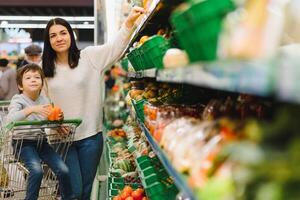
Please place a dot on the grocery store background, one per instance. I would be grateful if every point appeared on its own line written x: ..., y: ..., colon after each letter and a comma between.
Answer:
x: 204, y: 102
x: 22, y: 21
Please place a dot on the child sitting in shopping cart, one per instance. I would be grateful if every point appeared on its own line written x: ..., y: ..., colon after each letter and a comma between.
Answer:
x: 31, y: 105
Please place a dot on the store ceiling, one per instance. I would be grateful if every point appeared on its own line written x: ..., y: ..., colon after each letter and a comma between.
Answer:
x: 46, y: 3
x: 46, y: 11
x: 47, y: 8
x: 70, y: 8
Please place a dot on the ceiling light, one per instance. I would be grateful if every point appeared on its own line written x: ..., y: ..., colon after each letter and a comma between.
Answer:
x: 45, y: 18
x: 42, y: 26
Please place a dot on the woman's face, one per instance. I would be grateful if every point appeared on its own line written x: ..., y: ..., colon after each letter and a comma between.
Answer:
x: 60, y: 39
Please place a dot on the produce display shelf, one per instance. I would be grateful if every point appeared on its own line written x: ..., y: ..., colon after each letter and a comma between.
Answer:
x: 179, y: 179
x: 142, y: 24
x: 149, y: 73
x: 252, y: 77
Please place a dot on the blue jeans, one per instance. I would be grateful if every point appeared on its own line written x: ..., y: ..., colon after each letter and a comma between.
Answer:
x: 82, y: 159
x: 32, y: 154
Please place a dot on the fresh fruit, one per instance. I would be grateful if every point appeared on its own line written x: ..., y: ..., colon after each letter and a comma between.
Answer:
x: 55, y: 113
x: 117, y: 132
x: 175, y: 58
x: 117, y: 198
x: 129, y: 198
x: 127, y: 189
x: 124, y: 195
x: 134, y: 93
x: 118, y: 123
x: 161, y: 32
x: 124, y: 164
x: 137, y: 194
x: 143, y: 39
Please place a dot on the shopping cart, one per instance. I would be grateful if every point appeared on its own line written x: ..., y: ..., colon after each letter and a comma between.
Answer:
x: 13, y: 173
x: 3, y: 112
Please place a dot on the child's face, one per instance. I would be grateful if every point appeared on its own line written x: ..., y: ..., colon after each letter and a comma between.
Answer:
x: 32, y: 82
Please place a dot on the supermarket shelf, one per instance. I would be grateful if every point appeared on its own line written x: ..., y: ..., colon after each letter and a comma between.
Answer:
x: 179, y: 181
x: 143, y: 23
x: 255, y: 77
x: 149, y: 73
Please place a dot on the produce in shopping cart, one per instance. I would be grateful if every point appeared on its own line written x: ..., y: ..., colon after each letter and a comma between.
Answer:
x: 55, y: 113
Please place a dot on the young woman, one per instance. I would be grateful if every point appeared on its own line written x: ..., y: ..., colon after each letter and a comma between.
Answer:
x: 73, y: 78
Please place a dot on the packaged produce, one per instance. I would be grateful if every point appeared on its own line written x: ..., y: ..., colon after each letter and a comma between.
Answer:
x: 175, y: 58
x: 261, y: 23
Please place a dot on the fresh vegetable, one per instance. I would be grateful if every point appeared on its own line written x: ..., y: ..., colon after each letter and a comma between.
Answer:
x: 55, y: 113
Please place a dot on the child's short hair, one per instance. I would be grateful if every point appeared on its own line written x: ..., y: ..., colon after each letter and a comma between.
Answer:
x: 26, y: 68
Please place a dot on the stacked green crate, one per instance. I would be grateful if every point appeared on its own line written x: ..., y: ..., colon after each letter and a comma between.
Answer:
x: 150, y: 54
x: 153, y: 51
x: 198, y: 27
x: 115, y: 181
x: 156, y: 181
x: 135, y: 59
x: 124, y: 64
x: 139, y: 108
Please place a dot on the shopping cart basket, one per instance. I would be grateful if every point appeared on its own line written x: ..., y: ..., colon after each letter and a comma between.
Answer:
x: 3, y: 112
x: 13, y: 173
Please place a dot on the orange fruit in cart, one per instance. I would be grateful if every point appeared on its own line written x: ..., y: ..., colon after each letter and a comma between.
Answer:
x: 55, y: 113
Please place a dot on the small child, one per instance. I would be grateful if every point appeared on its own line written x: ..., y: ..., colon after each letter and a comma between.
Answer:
x: 31, y: 105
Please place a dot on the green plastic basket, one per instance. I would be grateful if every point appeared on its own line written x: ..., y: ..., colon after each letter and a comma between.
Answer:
x: 153, y: 50
x: 119, y: 180
x: 135, y: 59
x: 142, y: 158
x: 113, y: 192
x: 139, y: 108
x: 198, y: 27
x: 202, y: 11
x: 150, y: 54
x: 124, y: 64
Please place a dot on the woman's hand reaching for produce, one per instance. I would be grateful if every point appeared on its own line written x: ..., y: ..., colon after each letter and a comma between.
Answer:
x: 134, y: 14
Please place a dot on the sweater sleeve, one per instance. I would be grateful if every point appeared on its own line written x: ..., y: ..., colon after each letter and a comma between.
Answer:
x: 15, y: 112
x: 106, y: 54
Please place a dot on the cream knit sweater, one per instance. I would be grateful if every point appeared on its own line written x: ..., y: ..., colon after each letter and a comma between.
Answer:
x: 77, y: 91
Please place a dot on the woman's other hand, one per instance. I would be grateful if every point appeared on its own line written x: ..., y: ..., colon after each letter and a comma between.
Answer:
x: 64, y: 131
x: 134, y: 14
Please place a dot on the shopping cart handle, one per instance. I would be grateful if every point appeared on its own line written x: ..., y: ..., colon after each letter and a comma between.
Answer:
x: 76, y: 122
x: 4, y: 103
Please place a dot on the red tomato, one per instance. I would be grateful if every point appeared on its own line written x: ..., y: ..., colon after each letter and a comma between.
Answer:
x: 129, y: 198
x: 140, y: 190
x: 127, y: 189
x: 117, y: 198
x: 138, y: 194
x: 124, y: 195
